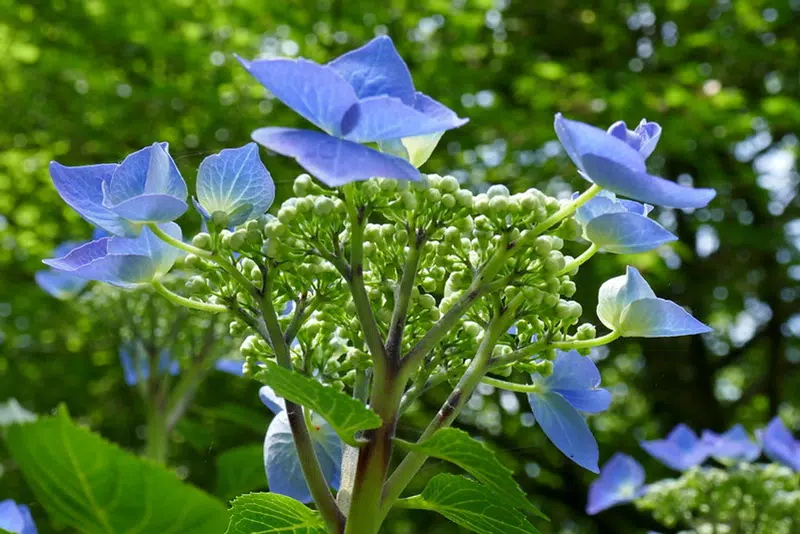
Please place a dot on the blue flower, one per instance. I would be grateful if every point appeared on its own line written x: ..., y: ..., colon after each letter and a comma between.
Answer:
x: 284, y: 473
x: 681, y: 450
x: 231, y: 366
x: 627, y: 305
x: 125, y: 262
x: 136, y: 365
x: 364, y: 96
x: 734, y: 445
x: 572, y: 388
x: 616, y: 161
x: 235, y: 184
x: 620, y: 226
x: 16, y: 518
x: 146, y: 187
x: 621, y: 480
x: 779, y: 444
x: 58, y: 283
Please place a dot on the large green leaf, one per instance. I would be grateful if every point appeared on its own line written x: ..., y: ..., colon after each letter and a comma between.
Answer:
x: 345, y: 414
x: 456, y: 446
x: 470, y: 505
x: 97, y: 488
x: 240, y: 470
x: 270, y: 513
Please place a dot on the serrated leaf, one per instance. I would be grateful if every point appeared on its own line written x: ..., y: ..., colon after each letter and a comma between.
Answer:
x: 271, y: 513
x: 345, y: 414
x: 238, y: 471
x: 469, y: 504
x: 458, y: 447
x: 97, y: 488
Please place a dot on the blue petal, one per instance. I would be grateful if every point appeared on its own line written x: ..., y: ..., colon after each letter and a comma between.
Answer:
x: 779, y: 444
x: 620, y: 481
x: 577, y: 379
x: 637, y: 184
x: 92, y: 261
x: 655, y: 317
x: 151, y: 208
x: 605, y: 202
x: 162, y: 256
x: 16, y: 518
x: 643, y: 139
x: 168, y: 364
x: 317, y: 92
x: 617, y: 293
x: 272, y: 401
x: 230, y: 366
x: 379, y: 118
x: 334, y: 161
x: 82, y: 189
x: 376, y: 69
x: 234, y: 178
x: 626, y: 233
x: 133, y: 367
x: 581, y: 140
x: 284, y: 473
x: 149, y: 171
x: 733, y: 445
x: 59, y: 284
x: 681, y: 450
x: 566, y: 428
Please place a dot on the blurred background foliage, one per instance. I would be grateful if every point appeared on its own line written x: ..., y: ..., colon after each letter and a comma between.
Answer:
x: 88, y: 81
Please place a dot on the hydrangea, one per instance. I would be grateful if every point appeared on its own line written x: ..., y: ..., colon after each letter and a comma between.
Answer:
x: 136, y: 366
x: 363, y: 96
x: 615, y: 160
x: 734, y: 445
x: 621, y: 481
x: 124, y: 262
x: 146, y: 187
x: 59, y: 284
x: 780, y: 445
x: 16, y: 518
x: 620, y: 226
x: 560, y: 401
x: 627, y: 305
x: 284, y: 473
x: 233, y: 186
x: 681, y: 450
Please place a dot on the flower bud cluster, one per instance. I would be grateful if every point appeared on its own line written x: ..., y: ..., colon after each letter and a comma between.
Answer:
x: 761, y: 498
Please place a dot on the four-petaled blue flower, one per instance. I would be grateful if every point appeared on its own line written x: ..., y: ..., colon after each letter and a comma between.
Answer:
x: 59, y: 284
x: 284, y: 473
x: 779, y: 444
x: 615, y: 160
x: 621, y: 481
x: 559, y: 401
x: 364, y: 96
x: 681, y: 450
x: 627, y: 305
x: 16, y: 518
x: 146, y: 187
x: 234, y: 186
x: 125, y: 262
x: 620, y: 226
x: 734, y: 445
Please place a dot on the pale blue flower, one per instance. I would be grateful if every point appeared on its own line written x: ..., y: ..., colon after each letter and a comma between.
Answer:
x: 16, y: 518
x: 621, y: 481
x: 681, y: 450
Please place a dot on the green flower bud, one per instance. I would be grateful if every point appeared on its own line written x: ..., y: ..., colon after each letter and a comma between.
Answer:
x: 449, y: 184
x: 498, y: 205
x: 500, y: 350
x: 202, y: 240
x: 542, y: 246
x: 426, y: 302
x: 552, y: 285
x: 253, y: 225
x: 514, y: 206
x: 481, y: 204
x: 409, y: 200
x: 369, y: 248
x: 248, y: 265
x: 287, y: 214
x: 433, y: 195
x: 533, y: 296
x: 464, y: 198
x: 323, y: 206
x: 303, y: 205
x: 219, y: 219
x: 237, y: 328
x: 237, y: 239
x: 254, y: 237
x: 586, y: 331
x: 372, y: 232
x: 497, y: 190
x: 472, y: 329
x: 197, y: 284
x: 302, y: 185
x: 568, y: 288
x: 452, y: 235
x: 557, y: 242
x: 194, y: 262
x: 550, y: 300
x: 465, y: 224
x: 274, y: 229
x: 552, y: 205
x: 448, y: 201
x: 271, y: 248
x: 554, y: 262
x: 387, y: 185
x: 400, y: 235
x: 529, y: 202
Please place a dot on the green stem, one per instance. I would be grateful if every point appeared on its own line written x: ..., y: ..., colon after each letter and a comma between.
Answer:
x: 511, y: 386
x: 156, y: 448
x: 587, y: 343
x: 394, y: 340
x: 580, y: 260
x: 177, y: 243
x: 187, y: 303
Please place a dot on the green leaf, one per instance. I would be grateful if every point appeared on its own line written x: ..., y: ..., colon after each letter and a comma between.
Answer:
x: 238, y: 471
x: 95, y: 487
x: 345, y: 414
x: 470, y: 505
x: 457, y: 447
x: 266, y: 513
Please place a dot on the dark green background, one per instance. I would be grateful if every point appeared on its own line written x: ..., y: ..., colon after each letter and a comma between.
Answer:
x: 90, y: 81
